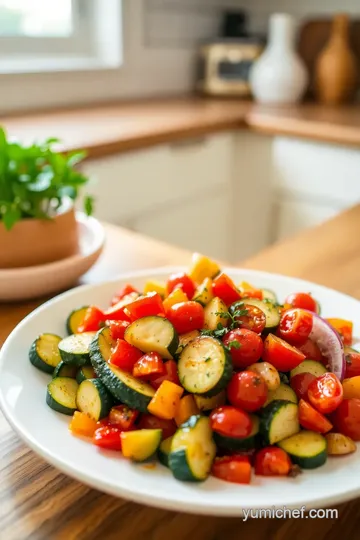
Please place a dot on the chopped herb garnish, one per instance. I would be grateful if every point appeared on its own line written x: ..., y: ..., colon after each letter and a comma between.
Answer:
x: 207, y: 359
x: 234, y: 344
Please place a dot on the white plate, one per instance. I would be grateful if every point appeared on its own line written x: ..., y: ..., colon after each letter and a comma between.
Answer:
x: 22, y: 398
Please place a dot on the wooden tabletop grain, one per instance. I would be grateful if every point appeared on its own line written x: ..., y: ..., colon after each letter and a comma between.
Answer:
x: 38, y: 502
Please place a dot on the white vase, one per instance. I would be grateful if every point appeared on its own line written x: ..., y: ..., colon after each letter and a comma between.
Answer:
x: 279, y: 76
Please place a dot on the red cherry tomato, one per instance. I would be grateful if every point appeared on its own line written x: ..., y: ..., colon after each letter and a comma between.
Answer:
x: 352, y: 368
x: 127, y: 289
x: 148, y: 421
x: 245, y: 346
x: 108, y: 437
x: 312, y: 351
x: 125, y: 355
x: 182, y: 281
x: 123, y: 417
x: 280, y: 354
x: 310, y: 418
x: 272, y: 461
x: 247, y: 390
x: 149, y: 364
x: 93, y: 319
x: 186, y: 316
x: 145, y: 306
x: 325, y: 393
x: 230, y: 422
x: 346, y: 418
x: 295, y: 326
x: 225, y: 288
x: 254, y: 319
x: 235, y: 469
x: 303, y: 301
x: 117, y: 328
x: 171, y: 374
x: 344, y: 328
x: 300, y: 384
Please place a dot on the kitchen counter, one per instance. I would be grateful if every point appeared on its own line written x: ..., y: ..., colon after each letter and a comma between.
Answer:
x: 37, y: 501
x: 119, y: 127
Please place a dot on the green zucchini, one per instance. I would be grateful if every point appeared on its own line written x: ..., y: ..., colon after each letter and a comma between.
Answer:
x: 141, y: 444
x: 185, y: 339
x: 61, y: 395
x: 153, y: 334
x: 205, y: 366
x: 209, y: 403
x: 65, y: 370
x: 306, y: 449
x: 44, y: 352
x: 309, y: 366
x: 124, y: 387
x: 269, y: 295
x: 192, y: 450
x: 236, y: 444
x: 74, y: 350
x: 279, y: 420
x: 75, y: 320
x: 272, y: 313
x: 213, y: 314
x: 94, y: 399
x: 284, y: 391
x: 164, y: 451
x: 85, y: 372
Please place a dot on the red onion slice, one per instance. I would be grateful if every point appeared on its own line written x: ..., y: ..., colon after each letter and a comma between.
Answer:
x: 330, y: 345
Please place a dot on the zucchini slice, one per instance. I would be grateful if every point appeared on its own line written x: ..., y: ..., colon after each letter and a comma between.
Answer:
x: 153, y: 334
x: 164, y: 451
x: 185, y: 339
x: 44, y: 352
x: 309, y: 366
x: 141, y: 444
x: 272, y: 313
x: 285, y: 392
x: 74, y: 350
x: 205, y: 366
x: 269, y: 295
x: 85, y: 372
x: 306, y: 449
x: 209, y: 403
x: 192, y: 450
x: 124, y: 387
x: 61, y: 395
x: 203, y: 293
x: 94, y: 399
x: 75, y: 319
x: 65, y: 370
x: 279, y: 420
x: 212, y: 314
x: 236, y: 444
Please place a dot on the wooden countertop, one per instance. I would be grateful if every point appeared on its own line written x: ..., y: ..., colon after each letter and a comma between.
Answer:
x: 41, y: 503
x: 113, y: 128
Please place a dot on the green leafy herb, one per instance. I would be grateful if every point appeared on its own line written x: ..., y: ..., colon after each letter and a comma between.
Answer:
x: 207, y: 359
x: 234, y: 344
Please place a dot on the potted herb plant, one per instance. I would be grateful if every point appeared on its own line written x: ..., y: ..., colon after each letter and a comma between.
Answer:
x: 38, y: 188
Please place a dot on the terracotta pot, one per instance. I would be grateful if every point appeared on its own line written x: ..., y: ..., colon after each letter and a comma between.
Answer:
x: 34, y: 241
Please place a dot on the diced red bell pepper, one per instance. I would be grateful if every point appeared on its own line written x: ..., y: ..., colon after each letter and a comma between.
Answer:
x: 108, y: 437
x: 225, y: 288
x: 171, y: 374
x: 149, y: 364
x: 145, y: 306
x: 125, y: 355
x: 117, y: 311
x: 127, y: 289
x: 117, y: 328
x: 236, y: 469
x: 93, y: 320
x: 149, y: 421
x: 123, y: 417
x: 312, y: 419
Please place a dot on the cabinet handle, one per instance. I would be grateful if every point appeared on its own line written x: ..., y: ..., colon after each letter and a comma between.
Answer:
x: 186, y: 143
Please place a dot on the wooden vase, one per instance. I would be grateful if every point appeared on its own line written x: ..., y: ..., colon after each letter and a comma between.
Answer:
x: 336, y: 74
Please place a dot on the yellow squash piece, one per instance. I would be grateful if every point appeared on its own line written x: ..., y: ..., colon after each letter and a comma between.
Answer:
x: 175, y: 297
x: 204, y: 293
x: 202, y: 267
x: 155, y: 286
x: 187, y: 407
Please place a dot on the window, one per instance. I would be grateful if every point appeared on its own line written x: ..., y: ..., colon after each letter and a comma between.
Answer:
x: 52, y: 35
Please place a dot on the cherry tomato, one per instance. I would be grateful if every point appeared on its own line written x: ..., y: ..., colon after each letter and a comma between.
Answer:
x: 303, y: 301
x: 245, y: 346
x: 247, y: 390
x: 230, y: 422
x: 186, y: 316
x: 310, y: 418
x: 145, y: 306
x: 93, y: 319
x: 148, y: 421
x: 182, y: 281
x: 295, y: 326
x: 123, y: 417
x: 117, y: 328
x: 108, y: 437
x: 300, y: 384
x: 171, y: 374
x: 252, y: 293
x: 272, y: 461
x: 236, y: 469
x: 149, y: 364
x: 352, y: 368
x: 312, y: 351
x: 346, y: 418
x: 127, y: 289
x: 254, y: 319
x: 280, y: 354
x: 325, y: 393
x: 225, y: 288
x: 344, y: 328
x: 125, y: 355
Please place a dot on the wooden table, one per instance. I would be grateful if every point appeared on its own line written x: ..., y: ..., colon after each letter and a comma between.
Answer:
x: 38, y: 502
